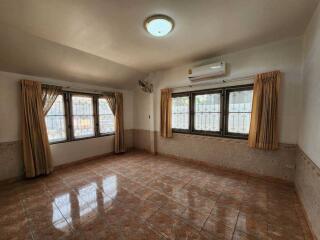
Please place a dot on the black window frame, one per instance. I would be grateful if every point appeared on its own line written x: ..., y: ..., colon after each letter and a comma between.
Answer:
x: 205, y: 92
x: 65, y: 119
x: 97, y: 119
x: 180, y: 130
x: 67, y: 97
x: 93, y: 115
x: 224, y: 112
x: 226, y: 133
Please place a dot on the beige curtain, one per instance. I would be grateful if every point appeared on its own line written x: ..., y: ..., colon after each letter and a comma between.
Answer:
x: 264, y: 123
x: 116, y: 105
x: 35, y: 144
x: 166, y: 113
x: 49, y: 95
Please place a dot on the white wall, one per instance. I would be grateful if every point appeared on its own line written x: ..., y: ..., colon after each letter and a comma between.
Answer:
x: 309, y: 137
x: 142, y: 109
x: 285, y: 56
x: 72, y: 151
x: 10, y: 109
x: 144, y: 106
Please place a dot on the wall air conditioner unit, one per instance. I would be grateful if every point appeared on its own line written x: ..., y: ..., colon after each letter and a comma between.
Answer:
x: 207, y: 71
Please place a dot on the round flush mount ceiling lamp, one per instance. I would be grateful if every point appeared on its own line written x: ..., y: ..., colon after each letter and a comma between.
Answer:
x: 159, y: 25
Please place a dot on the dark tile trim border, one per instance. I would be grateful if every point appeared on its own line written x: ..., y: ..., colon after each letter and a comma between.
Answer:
x: 11, y: 180
x: 66, y: 165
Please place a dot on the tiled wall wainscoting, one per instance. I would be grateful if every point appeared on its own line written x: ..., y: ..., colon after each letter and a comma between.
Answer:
x: 10, y: 160
x: 222, y: 152
x: 307, y: 181
x: 142, y: 139
x: 231, y: 153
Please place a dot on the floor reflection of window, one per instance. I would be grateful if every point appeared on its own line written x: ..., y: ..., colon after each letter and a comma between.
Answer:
x: 64, y: 204
x: 87, y: 200
x: 110, y: 186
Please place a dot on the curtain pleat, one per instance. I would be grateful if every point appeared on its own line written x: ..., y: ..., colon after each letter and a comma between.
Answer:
x: 263, y: 132
x: 115, y: 102
x: 166, y: 113
x: 119, y: 129
x: 35, y: 144
x: 49, y: 95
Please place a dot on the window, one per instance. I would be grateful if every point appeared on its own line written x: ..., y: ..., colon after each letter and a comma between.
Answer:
x: 180, y: 112
x: 222, y: 112
x: 56, y: 121
x: 239, y: 111
x: 75, y: 116
x: 106, y: 118
x: 207, y: 110
x: 82, y: 116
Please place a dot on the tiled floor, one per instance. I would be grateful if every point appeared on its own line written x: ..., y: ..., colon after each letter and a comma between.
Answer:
x: 145, y: 197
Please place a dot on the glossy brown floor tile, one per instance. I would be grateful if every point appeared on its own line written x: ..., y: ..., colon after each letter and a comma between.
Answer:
x: 140, y: 196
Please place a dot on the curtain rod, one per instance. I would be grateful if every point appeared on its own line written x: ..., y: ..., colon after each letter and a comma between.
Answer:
x: 236, y: 79
x: 80, y: 90
x: 84, y: 90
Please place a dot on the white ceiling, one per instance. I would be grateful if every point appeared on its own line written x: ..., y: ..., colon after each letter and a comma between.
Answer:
x: 104, y: 42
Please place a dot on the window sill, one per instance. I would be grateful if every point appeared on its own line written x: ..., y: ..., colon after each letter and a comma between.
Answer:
x: 79, y: 139
x: 213, y: 134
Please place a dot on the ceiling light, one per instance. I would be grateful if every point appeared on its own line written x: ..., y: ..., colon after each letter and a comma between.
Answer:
x: 159, y: 25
